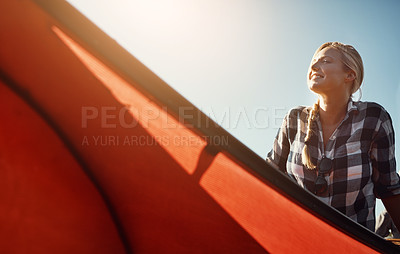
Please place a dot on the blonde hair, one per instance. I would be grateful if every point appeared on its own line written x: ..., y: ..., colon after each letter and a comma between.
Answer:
x: 305, y: 157
x: 351, y: 61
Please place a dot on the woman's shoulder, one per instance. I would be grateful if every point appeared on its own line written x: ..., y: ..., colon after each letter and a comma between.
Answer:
x: 363, y: 105
x: 299, y: 112
x: 372, y: 109
x: 369, y: 105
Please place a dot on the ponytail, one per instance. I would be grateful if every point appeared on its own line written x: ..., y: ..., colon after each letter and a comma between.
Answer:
x: 305, y: 157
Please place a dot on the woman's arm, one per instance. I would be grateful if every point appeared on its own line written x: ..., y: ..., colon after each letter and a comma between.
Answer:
x: 392, y: 205
x: 278, y: 155
x: 386, y: 180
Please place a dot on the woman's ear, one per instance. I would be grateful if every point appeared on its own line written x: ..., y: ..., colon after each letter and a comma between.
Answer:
x: 350, y: 76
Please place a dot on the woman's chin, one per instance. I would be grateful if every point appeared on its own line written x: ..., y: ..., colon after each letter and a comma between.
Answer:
x: 314, y: 86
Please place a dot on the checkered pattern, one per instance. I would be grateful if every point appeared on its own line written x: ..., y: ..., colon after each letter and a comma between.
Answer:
x: 362, y: 149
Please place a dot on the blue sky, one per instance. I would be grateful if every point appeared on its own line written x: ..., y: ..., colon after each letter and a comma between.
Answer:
x: 244, y: 62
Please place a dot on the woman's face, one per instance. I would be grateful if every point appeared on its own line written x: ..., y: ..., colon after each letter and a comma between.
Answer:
x: 326, y: 74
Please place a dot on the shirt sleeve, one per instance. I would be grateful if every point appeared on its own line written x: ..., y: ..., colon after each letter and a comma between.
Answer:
x: 386, y: 180
x: 280, y: 150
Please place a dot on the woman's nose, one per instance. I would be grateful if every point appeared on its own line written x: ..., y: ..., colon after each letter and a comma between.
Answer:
x: 314, y: 66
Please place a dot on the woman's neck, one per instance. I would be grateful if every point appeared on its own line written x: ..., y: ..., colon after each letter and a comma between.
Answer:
x: 332, y: 110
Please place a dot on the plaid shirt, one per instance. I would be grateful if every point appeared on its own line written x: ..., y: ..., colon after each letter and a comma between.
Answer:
x: 362, y: 149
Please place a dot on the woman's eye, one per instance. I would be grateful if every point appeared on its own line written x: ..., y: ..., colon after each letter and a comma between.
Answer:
x: 325, y: 61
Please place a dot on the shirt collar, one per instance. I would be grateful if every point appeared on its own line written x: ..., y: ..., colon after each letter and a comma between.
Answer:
x: 351, y: 105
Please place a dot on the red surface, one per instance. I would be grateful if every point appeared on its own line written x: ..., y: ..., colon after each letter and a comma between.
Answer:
x: 277, y: 223
x: 161, y: 207
x: 48, y: 205
x: 163, y: 203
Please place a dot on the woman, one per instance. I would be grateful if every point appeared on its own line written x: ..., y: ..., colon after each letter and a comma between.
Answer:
x: 340, y: 150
